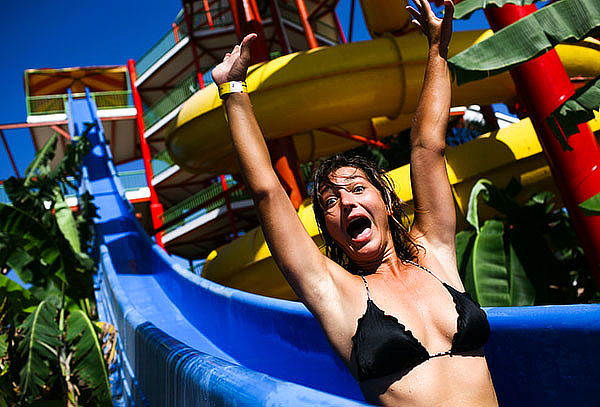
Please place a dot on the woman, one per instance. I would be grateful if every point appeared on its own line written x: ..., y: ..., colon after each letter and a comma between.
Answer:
x: 433, y: 356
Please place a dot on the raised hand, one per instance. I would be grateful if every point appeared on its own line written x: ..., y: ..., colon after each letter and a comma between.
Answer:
x: 235, y: 63
x: 438, y: 31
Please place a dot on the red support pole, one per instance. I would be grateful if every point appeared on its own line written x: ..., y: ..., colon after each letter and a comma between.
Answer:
x: 175, y: 28
x: 10, y: 156
x: 543, y: 85
x: 308, y: 31
x: 228, y: 204
x: 247, y: 20
x: 338, y: 25
x: 209, y: 18
x: 156, y: 208
x: 287, y: 167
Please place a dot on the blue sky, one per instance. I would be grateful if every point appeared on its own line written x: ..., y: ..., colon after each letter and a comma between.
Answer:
x: 69, y: 33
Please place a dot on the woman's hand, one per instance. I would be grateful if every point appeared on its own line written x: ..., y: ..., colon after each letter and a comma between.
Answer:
x: 438, y: 31
x: 235, y: 63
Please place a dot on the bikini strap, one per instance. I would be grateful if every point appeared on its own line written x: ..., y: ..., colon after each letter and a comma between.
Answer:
x: 424, y: 268
x: 366, y: 286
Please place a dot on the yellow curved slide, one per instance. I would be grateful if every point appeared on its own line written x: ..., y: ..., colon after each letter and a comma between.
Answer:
x: 366, y: 88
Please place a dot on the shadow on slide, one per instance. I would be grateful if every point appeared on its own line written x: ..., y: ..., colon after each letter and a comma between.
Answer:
x: 186, y: 341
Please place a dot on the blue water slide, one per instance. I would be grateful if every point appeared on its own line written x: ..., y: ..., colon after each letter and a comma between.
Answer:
x: 186, y: 341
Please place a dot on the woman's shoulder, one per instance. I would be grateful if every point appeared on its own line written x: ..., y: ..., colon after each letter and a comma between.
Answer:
x: 441, y: 260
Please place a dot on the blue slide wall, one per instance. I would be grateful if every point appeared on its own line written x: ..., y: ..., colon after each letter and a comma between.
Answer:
x: 186, y: 341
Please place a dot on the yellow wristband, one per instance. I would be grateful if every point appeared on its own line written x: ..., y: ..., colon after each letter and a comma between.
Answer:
x: 232, y: 87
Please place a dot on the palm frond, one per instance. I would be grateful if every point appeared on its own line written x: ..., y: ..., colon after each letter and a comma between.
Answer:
x: 39, y: 349
x: 530, y: 37
x: 88, y: 359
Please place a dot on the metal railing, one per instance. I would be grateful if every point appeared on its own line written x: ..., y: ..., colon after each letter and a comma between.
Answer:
x: 201, y: 203
x: 53, y: 104
x: 220, y: 17
x: 161, y: 162
x: 159, y: 49
x: 176, y: 96
x: 131, y: 180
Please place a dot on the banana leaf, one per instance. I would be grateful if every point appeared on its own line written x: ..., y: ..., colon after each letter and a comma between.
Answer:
x: 65, y: 220
x: 38, y: 349
x: 579, y: 108
x: 487, y: 277
x: 3, y: 345
x: 15, y: 301
x: 522, y: 291
x: 39, y: 165
x: 29, y: 248
x: 480, y: 187
x: 464, y: 247
x: 88, y: 360
x: 530, y: 37
x: 465, y: 8
x: 591, y: 206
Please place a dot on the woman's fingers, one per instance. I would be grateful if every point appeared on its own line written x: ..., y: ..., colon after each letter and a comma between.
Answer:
x: 245, y: 46
x: 414, y: 13
x: 448, y: 10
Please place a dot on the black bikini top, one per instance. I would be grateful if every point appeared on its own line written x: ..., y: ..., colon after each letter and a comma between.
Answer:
x: 382, y: 345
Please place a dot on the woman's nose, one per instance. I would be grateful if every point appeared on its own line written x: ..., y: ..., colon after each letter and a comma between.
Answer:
x: 347, y: 199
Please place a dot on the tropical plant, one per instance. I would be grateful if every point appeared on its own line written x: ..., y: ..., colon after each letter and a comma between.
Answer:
x: 564, y: 21
x: 529, y: 256
x: 50, y: 349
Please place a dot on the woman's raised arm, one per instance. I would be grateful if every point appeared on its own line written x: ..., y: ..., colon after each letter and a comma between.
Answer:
x: 304, y: 266
x: 435, y: 217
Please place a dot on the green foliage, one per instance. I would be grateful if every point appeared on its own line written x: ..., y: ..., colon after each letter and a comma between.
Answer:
x: 88, y: 359
x: 528, y: 38
x: 39, y: 350
x: 591, y: 206
x: 530, y: 256
x: 46, y: 335
x: 465, y: 8
x: 579, y: 108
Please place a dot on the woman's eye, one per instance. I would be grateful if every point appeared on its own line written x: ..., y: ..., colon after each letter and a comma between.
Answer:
x: 358, y: 189
x: 330, y: 201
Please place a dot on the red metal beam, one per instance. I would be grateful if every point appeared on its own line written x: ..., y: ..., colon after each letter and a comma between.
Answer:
x: 61, y: 132
x: 156, y: 208
x: 228, y: 204
x: 308, y: 31
x: 355, y: 137
x: 338, y: 25
x: 209, y: 19
x: 10, y: 156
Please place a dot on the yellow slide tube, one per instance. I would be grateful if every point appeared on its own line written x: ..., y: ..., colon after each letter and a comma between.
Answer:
x: 368, y: 88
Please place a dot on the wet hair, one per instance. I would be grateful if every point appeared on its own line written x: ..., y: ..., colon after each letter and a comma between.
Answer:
x: 406, y: 248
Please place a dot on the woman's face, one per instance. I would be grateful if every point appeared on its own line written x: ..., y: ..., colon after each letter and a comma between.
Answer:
x: 355, y: 215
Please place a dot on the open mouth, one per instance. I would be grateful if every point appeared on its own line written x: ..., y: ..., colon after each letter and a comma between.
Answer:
x: 359, y: 228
